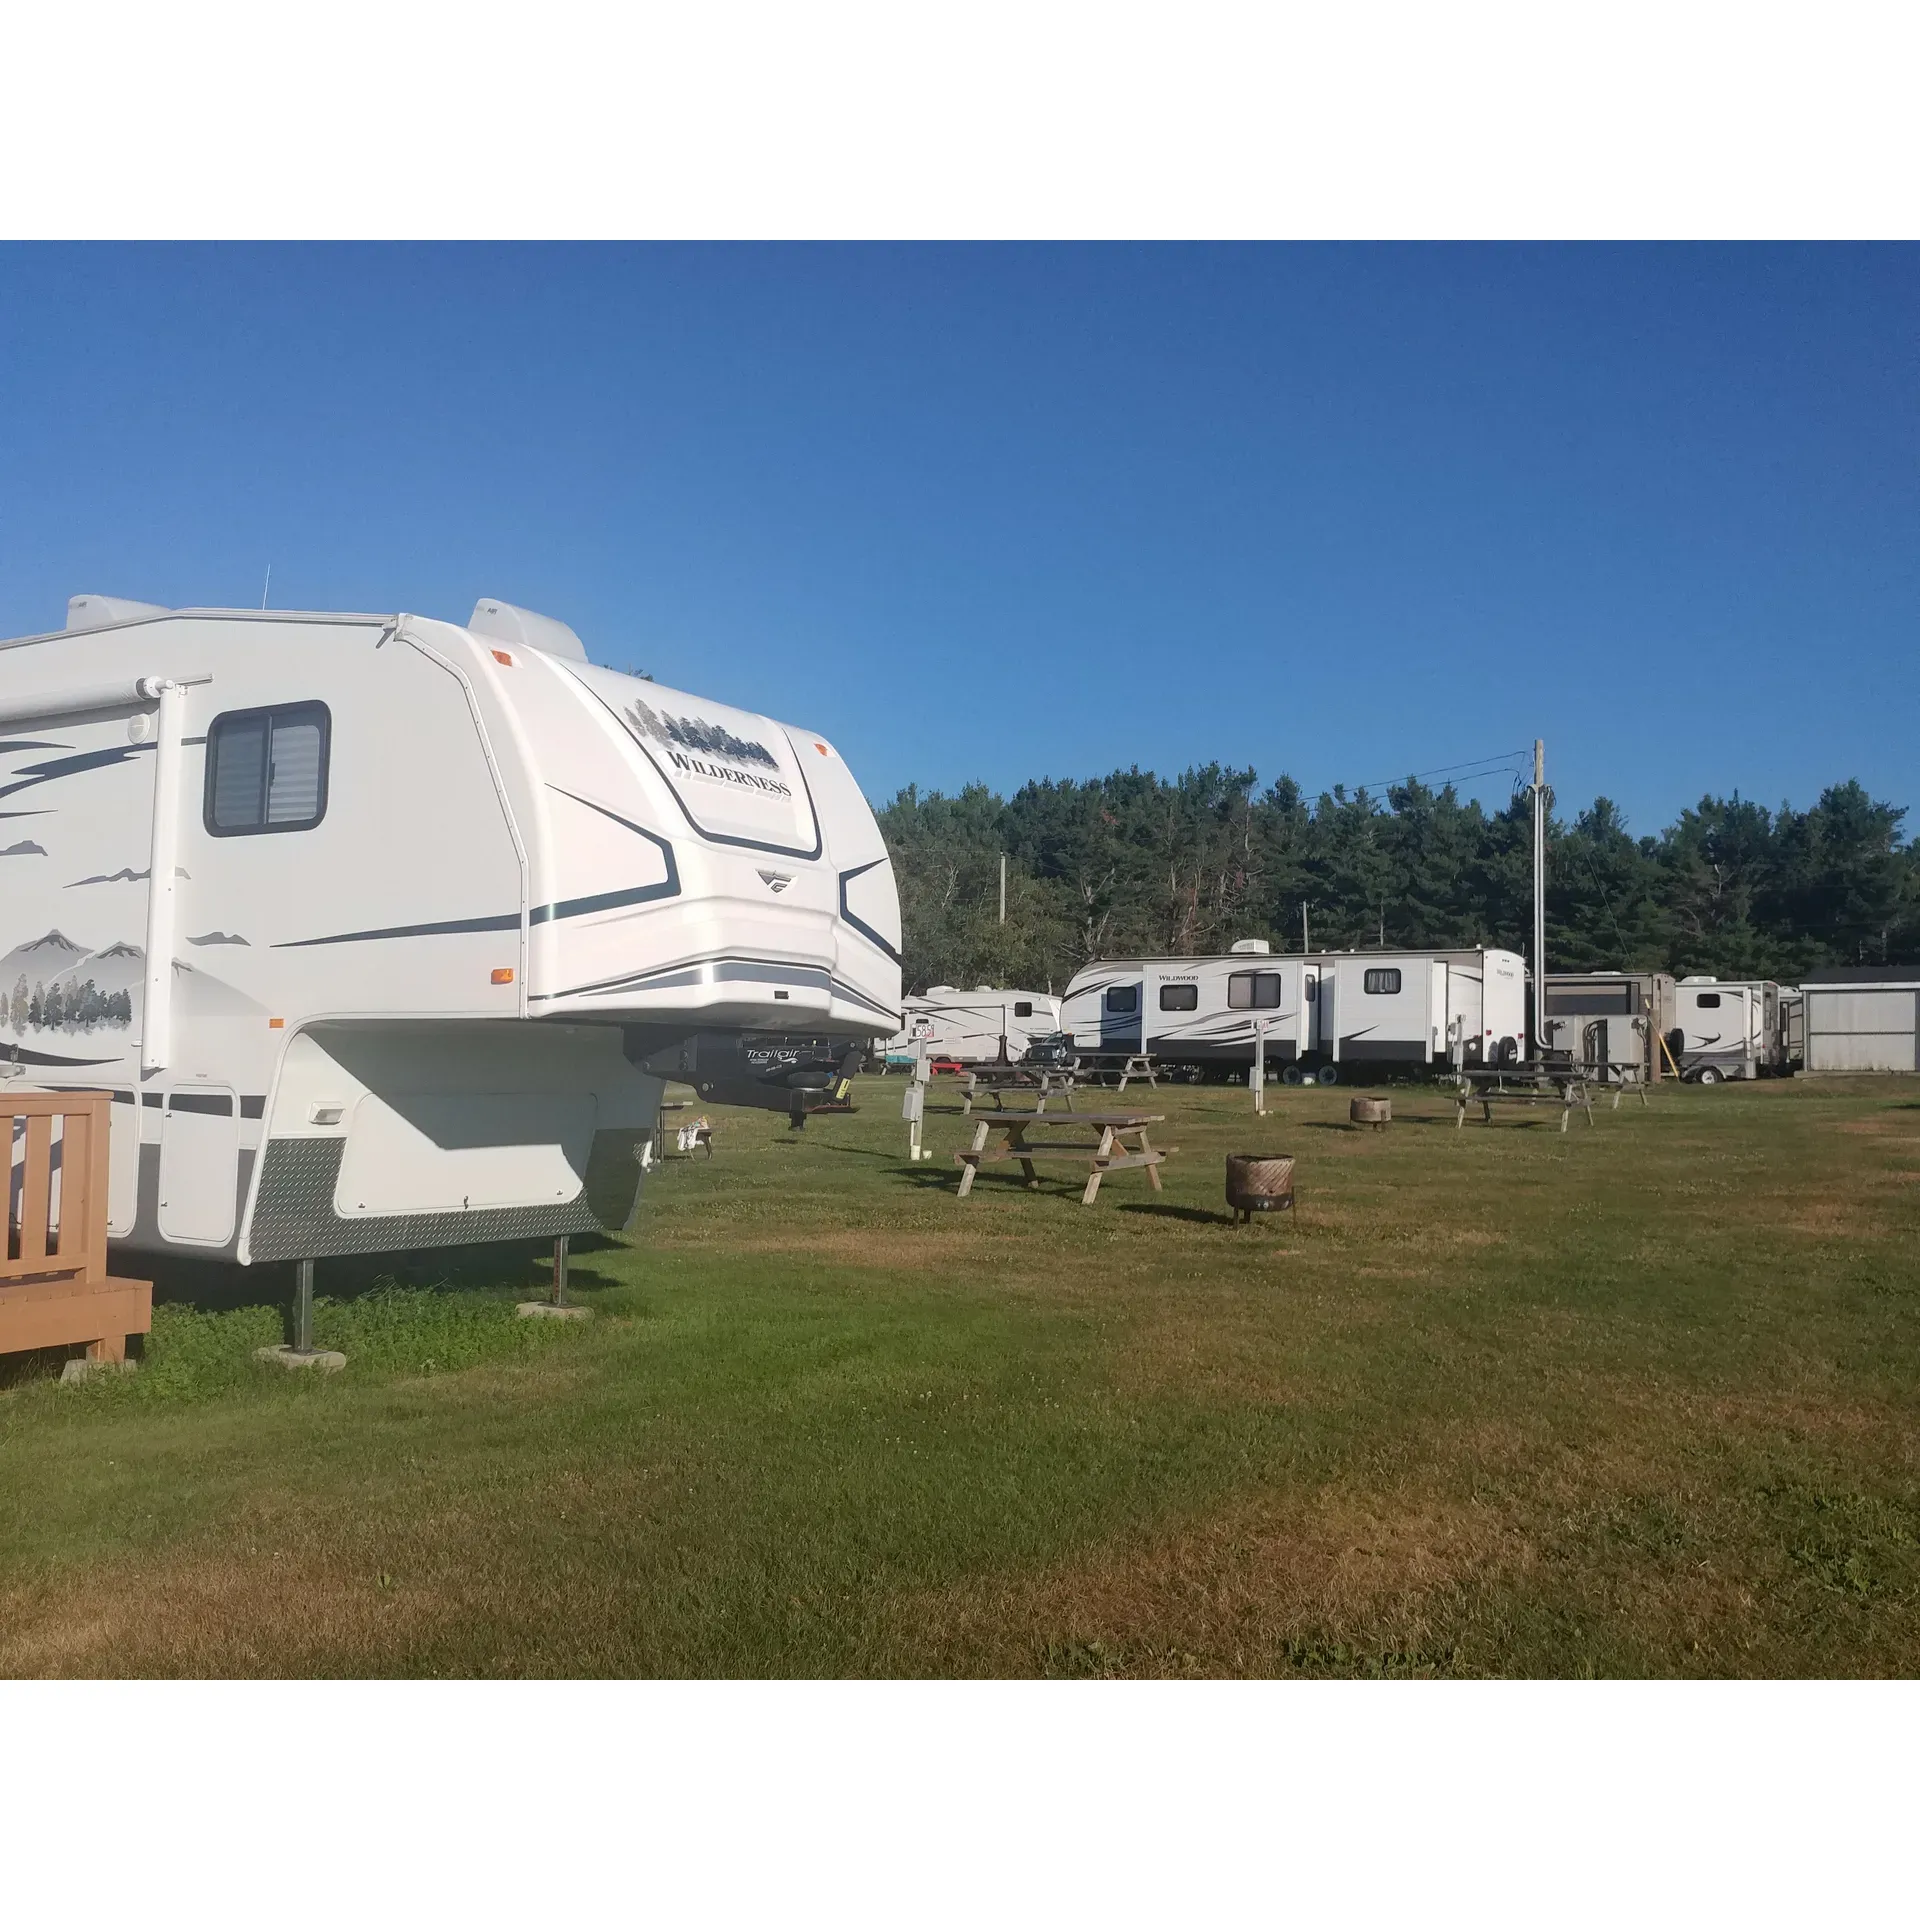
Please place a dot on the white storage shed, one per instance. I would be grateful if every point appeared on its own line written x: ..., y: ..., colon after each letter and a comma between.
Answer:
x: 1862, y: 1020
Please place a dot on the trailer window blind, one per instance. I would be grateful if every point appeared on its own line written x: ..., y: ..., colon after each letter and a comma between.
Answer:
x: 1381, y: 980
x: 1179, y: 998
x: 267, y: 769
x: 1248, y: 991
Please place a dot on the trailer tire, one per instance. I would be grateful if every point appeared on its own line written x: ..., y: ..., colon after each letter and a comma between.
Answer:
x: 1289, y: 1076
x: 1328, y: 1076
x: 1708, y: 1077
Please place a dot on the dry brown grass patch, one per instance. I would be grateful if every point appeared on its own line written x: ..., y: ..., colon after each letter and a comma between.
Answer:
x: 225, y: 1610
x: 1230, y: 1593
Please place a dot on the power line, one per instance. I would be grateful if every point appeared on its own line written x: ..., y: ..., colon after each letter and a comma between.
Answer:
x: 1492, y: 765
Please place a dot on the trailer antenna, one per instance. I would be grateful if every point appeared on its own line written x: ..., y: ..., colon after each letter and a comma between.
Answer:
x: 267, y: 587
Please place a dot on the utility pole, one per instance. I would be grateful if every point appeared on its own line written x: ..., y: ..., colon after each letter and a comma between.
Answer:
x: 1539, y: 895
x: 1003, y: 889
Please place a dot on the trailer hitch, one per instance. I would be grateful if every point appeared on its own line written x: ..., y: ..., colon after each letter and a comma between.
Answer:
x: 777, y: 1073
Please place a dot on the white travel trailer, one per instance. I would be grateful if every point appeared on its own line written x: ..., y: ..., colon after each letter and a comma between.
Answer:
x: 1615, y: 1019
x: 1323, y: 1012
x: 381, y: 930
x: 986, y: 1025
x: 1728, y: 1029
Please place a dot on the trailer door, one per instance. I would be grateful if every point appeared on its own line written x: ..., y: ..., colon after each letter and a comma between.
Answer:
x: 1120, y: 1016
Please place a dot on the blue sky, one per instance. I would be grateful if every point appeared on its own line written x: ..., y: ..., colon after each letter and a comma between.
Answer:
x: 993, y: 513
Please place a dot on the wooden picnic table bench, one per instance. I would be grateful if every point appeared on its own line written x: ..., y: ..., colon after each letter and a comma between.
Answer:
x: 1545, y: 1085
x: 1623, y: 1076
x: 1042, y: 1082
x: 1119, y: 1068
x: 1122, y: 1146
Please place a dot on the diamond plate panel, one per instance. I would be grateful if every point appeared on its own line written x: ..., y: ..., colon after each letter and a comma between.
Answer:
x: 293, y: 1216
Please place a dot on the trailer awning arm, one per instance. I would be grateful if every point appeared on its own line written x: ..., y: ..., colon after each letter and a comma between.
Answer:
x: 56, y: 705
x: 156, y: 1015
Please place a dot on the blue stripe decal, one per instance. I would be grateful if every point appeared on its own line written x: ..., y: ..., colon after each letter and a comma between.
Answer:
x: 853, y: 919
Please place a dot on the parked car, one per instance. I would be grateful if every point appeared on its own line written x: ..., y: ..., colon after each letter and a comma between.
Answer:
x: 1056, y: 1050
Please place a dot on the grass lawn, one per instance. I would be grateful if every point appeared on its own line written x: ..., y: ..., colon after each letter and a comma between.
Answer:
x: 1644, y: 1399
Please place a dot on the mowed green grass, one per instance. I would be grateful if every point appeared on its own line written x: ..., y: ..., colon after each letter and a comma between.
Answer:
x: 1642, y: 1399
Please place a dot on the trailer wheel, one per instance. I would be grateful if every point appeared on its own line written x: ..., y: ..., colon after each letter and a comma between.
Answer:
x: 1289, y: 1076
x: 1328, y: 1076
x: 1709, y: 1077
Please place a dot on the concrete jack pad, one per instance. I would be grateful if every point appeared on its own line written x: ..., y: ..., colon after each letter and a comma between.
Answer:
x: 546, y: 1310
x: 323, y: 1358
x: 76, y: 1370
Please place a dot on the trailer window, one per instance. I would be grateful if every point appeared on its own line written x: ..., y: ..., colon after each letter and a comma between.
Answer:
x: 267, y: 769
x: 1707, y: 1000
x: 1123, y: 999
x: 1023, y: 1009
x: 1608, y: 998
x: 1381, y: 980
x: 1249, y: 990
x: 1179, y: 998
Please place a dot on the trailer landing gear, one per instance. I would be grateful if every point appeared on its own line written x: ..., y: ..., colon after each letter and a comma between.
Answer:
x: 557, y: 1306
x: 300, y: 1351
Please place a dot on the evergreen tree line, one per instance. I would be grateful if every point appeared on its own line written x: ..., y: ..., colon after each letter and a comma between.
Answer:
x: 79, y: 1004
x: 1132, y: 863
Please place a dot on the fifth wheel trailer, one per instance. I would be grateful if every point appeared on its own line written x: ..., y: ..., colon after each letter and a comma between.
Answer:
x: 1610, y: 1018
x: 1324, y: 1013
x: 382, y: 931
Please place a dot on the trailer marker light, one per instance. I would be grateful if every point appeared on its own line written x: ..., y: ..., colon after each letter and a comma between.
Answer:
x: 276, y: 1023
x: 505, y: 659
x: 503, y: 976
x: 819, y: 746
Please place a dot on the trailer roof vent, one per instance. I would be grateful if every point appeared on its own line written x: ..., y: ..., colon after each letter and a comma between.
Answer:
x: 1251, y: 946
x: 502, y: 620
x: 86, y: 611
x: 1701, y: 980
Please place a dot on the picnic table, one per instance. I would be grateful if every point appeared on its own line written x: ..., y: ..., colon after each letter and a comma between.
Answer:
x: 1042, y: 1082
x: 1119, y: 1068
x: 1539, y: 1084
x: 1622, y: 1076
x: 1122, y: 1146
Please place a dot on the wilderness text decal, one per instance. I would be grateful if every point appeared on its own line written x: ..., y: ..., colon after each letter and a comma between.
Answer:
x: 704, y: 747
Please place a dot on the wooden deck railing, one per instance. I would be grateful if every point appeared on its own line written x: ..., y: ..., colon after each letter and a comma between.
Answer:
x: 54, y: 1287
x: 45, y: 1240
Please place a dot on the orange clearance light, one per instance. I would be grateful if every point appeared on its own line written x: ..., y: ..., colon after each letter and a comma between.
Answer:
x: 276, y: 1023
x: 503, y: 976
x: 819, y: 746
x: 505, y: 659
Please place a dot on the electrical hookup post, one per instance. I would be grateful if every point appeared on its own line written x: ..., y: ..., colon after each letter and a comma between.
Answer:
x: 1257, y: 1073
x: 913, y: 1109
